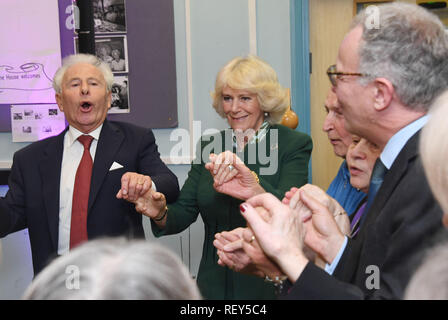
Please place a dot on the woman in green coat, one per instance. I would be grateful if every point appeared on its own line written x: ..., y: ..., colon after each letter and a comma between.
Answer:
x: 256, y: 155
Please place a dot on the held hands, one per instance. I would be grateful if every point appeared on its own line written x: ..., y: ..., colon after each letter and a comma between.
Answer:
x: 137, y: 188
x: 330, y: 203
x: 134, y: 185
x: 230, y: 251
x: 232, y: 177
x: 281, y: 238
x: 239, y: 250
x: 323, y: 234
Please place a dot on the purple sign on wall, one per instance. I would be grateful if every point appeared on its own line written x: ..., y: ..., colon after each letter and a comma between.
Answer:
x: 151, y: 75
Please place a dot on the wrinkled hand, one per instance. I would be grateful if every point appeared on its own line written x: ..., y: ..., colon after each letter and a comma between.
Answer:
x: 240, y: 251
x: 235, y: 258
x: 238, y: 182
x: 320, y: 195
x: 281, y: 238
x: 322, y: 234
x: 137, y: 189
x: 134, y: 185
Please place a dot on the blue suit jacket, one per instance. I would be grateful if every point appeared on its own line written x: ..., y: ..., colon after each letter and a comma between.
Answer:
x: 34, y: 183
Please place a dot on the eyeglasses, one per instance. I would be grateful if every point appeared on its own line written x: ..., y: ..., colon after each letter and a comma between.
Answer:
x: 334, y: 75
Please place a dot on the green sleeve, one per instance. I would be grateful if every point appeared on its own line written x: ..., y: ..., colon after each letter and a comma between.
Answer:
x: 184, y: 211
x: 293, y: 165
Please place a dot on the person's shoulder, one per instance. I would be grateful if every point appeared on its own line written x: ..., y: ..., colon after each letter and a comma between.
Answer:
x: 127, y: 127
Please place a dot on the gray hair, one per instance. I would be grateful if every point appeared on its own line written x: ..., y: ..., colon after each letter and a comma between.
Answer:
x: 115, y: 269
x: 430, y: 281
x: 409, y: 47
x: 71, y: 60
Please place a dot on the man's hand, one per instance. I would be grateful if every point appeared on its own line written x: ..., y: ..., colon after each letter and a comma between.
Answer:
x: 134, y: 185
x: 281, y: 238
x: 322, y: 233
x: 137, y: 189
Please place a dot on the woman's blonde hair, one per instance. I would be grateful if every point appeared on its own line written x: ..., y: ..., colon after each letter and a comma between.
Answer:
x: 256, y: 76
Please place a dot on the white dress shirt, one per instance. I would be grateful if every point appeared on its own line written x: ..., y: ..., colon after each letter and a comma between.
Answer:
x: 71, y: 157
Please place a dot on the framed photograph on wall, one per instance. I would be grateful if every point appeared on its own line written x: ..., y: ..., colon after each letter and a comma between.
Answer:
x: 113, y: 50
x: 120, y: 95
x: 109, y: 16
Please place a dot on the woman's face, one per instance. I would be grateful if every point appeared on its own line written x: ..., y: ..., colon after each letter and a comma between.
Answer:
x: 361, y: 157
x: 242, y: 109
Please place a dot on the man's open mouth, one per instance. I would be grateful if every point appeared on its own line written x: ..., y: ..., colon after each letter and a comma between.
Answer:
x: 86, y: 105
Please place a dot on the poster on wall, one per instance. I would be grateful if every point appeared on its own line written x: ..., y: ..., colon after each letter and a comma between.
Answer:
x: 36, y: 122
x: 113, y: 50
x: 28, y: 60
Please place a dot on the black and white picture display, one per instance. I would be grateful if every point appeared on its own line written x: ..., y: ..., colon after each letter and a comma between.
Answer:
x: 109, y: 16
x: 120, y: 95
x: 112, y: 50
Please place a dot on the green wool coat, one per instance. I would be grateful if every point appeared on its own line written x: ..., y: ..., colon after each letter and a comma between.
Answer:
x: 220, y: 212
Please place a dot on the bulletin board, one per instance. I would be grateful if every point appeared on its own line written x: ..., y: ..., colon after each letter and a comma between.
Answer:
x: 151, y: 63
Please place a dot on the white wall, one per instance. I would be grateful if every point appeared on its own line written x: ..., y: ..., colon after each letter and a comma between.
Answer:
x: 208, y: 34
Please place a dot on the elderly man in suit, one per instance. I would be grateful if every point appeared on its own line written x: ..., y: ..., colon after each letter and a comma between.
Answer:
x: 385, y: 78
x: 80, y: 184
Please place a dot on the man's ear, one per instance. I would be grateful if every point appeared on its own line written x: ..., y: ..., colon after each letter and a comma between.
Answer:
x: 109, y: 100
x: 59, y: 101
x: 384, y: 93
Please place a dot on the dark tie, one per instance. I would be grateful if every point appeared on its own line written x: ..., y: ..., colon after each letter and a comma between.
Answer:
x: 78, y: 228
x: 379, y: 170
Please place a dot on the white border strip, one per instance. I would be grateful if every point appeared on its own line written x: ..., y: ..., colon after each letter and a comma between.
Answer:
x: 253, y: 26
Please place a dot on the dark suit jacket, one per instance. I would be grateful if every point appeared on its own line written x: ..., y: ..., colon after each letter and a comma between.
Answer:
x: 402, y: 219
x: 33, y: 198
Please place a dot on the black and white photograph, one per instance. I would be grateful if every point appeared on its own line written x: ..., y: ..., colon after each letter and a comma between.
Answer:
x: 113, y: 50
x: 120, y: 95
x: 109, y: 16
x: 26, y: 129
x: 18, y: 116
x: 52, y: 112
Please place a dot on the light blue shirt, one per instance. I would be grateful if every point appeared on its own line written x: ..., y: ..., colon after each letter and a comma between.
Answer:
x: 388, y: 156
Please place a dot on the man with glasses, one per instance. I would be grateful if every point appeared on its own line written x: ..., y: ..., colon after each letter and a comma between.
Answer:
x: 385, y: 80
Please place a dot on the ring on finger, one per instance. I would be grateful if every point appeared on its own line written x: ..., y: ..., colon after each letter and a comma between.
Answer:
x: 230, y: 167
x: 252, y: 239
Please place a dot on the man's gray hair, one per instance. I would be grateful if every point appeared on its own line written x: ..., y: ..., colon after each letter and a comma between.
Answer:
x: 71, y: 60
x: 115, y: 269
x: 409, y: 47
